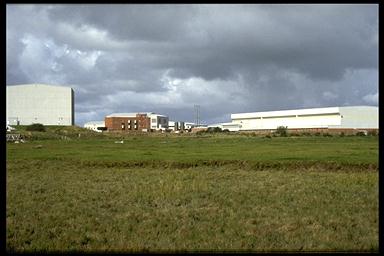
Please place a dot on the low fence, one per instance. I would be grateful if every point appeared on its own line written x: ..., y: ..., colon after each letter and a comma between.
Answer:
x: 13, y: 137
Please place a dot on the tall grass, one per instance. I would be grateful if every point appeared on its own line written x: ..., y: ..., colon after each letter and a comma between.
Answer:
x: 193, y: 193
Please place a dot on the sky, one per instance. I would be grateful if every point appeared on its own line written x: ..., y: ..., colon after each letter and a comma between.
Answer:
x: 224, y: 58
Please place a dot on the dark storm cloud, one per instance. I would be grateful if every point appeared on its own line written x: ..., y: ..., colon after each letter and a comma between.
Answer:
x: 227, y: 58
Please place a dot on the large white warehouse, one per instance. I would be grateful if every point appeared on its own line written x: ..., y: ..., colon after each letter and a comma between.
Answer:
x: 39, y: 103
x: 353, y: 117
x: 96, y: 126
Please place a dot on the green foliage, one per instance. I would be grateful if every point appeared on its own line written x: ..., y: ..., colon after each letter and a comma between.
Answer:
x: 372, y: 133
x: 192, y: 147
x: 213, y: 129
x: 36, y: 127
x: 282, y: 131
x: 361, y: 133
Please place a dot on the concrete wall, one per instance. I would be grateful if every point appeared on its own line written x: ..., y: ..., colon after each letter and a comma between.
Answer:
x: 39, y: 103
x: 359, y: 117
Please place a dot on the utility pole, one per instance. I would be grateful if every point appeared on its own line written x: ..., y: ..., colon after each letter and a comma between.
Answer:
x: 197, y: 114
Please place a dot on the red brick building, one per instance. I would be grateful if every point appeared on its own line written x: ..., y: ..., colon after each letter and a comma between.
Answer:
x: 127, y: 122
x: 142, y: 122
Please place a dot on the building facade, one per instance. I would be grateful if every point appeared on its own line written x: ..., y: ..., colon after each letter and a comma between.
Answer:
x: 176, y: 126
x: 353, y: 117
x: 39, y: 103
x: 143, y: 122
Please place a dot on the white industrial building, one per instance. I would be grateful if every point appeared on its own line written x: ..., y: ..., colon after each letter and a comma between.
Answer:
x: 232, y: 127
x: 158, y: 122
x: 176, y: 126
x: 39, y: 103
x: 189, y: 125
x: 96, y: 126
x: 353, y: 117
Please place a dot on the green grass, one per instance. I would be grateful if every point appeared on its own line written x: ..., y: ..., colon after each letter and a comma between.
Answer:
x: 176, y: 193
x: 344, y: 150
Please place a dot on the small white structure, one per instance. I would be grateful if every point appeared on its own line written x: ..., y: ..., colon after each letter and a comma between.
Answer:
x: 176, y: 126
x: 39, y: 103
x: 353, y: 117
x: 96, y: 126
x: 188, y: 125
x: 232, y: 127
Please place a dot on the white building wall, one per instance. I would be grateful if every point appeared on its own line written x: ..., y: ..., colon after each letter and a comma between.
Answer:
x: 335, y: 117
x: 359, y: 117
x: 39, y: 103
x: 93, y: 125
x: 158, y: 122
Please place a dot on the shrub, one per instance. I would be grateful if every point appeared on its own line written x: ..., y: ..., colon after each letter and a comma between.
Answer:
x: 327, y: 135
x: 36, y: 127
x: 213, y: 129
x: 342, y: 134
x: 282, y: 131
x: 372, y: 133
x: 361, y: 133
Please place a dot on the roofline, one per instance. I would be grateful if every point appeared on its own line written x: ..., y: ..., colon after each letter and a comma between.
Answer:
x: 50, y: 85
x: 306, y: 111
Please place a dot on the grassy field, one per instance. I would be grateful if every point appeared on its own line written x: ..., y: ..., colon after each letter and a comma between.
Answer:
x: 192, y: 193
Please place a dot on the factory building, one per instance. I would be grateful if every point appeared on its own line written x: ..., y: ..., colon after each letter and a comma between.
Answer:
x: 136, y: 122
x: 232, y: 127
x: 39, y: 103
x: 331, y: 118
x: 96, y: 126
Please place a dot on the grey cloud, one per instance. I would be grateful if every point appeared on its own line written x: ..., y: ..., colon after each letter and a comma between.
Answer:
x: 227, y: 58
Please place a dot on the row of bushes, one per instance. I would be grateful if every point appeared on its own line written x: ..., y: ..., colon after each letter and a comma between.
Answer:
x: 282, y: 131
x: 213, y: 130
